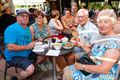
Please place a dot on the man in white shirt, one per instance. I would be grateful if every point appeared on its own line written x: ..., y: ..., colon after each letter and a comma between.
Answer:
x: 87, y: 32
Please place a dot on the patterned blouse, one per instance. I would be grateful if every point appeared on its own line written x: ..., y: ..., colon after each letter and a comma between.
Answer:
x: 43, y: 33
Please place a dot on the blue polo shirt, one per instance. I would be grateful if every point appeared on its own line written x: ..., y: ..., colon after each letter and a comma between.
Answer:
x: 16, y: 34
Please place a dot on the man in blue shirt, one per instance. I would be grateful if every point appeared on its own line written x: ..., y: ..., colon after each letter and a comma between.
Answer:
x: 18, y: 44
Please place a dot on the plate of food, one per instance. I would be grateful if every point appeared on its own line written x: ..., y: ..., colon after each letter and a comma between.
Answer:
x: 68, y: 45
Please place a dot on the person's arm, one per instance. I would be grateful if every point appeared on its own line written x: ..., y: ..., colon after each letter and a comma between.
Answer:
x: 85, y: 47
x: 58, y: 25
x: 64, y: 23
x: 79, y: 43
x: 14, y: 47
x: 110, y: 58
x: 32, y: 32
x: 48, y: 29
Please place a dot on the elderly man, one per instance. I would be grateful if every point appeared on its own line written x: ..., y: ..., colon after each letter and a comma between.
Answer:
x: 87, y: 32
x: 18, y: 44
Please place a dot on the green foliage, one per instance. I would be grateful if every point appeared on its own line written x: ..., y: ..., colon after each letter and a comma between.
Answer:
x: 106, y: 7
x: 98, y: 5
x: 95, y: 5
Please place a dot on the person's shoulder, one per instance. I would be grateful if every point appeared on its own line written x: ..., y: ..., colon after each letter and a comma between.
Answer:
x: 12, y: 25
x: 10, y: 28
x: 51, y: 21
x: 111, y: 41
x: 90, y: 25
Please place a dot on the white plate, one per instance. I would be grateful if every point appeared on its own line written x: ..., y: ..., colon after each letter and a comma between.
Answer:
x: 68, y: 47
x: 38, y: 50
x: 38, y: 43
x: 44, y: 45
x: 41, y: 46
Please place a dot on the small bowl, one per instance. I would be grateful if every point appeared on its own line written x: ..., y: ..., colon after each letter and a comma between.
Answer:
x: 57, y: 46
x: 64, y: 39
x: 68, y: 45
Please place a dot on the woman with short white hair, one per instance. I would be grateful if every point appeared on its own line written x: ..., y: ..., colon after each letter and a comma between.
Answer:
x: 104, y: 52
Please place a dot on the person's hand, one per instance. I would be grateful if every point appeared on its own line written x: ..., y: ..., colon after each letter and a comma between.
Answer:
x: 73, y: 28
x: 79, y: 42
x: 31, y: 45
x: 78, y: 66
x: 75, y: 41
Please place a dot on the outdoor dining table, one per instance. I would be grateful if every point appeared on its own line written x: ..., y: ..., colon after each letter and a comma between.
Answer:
x: 62, y: 52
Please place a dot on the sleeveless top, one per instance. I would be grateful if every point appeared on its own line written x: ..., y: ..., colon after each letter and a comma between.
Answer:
x: 43, y: 33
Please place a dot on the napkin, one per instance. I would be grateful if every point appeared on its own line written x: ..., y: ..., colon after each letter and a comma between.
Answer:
x: 53, y: 53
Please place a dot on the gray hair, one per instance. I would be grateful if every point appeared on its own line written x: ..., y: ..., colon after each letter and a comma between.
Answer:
x: 107, y: 13
x: 82, y: 12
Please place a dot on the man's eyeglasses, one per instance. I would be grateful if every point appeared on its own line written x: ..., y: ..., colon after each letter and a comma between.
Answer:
x: 80, y: 16
x: 24, y: 15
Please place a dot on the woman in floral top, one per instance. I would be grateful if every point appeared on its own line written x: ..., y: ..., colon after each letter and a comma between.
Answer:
x: 104, y: 52
x: 39, y: 29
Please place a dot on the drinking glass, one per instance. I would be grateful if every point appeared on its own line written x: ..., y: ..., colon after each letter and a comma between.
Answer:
x: 53, y: 40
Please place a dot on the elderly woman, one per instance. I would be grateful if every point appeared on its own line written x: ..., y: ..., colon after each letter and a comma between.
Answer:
x: 105, y: 52
x: 40, y: 31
